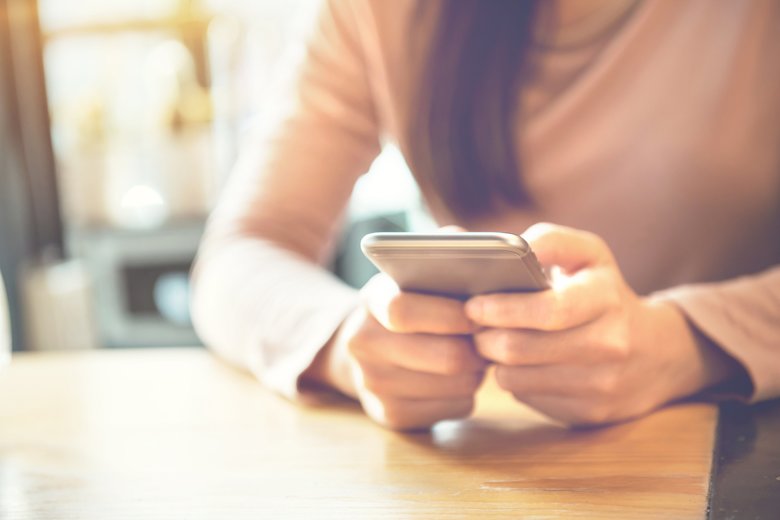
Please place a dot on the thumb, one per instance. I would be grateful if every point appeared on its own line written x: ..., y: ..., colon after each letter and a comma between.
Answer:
x: 572, y: 249
x: 452, y: 228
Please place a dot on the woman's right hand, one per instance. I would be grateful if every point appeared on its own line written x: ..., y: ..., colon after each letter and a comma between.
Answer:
x: 409, y: 358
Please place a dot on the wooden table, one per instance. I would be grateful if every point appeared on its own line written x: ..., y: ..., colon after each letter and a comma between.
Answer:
x: 176, y: 434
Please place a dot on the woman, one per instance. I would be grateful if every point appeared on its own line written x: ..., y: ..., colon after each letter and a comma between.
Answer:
x: 647, y: 131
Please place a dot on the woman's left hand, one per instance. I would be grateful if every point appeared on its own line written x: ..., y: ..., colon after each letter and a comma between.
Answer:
x: 589, y: 350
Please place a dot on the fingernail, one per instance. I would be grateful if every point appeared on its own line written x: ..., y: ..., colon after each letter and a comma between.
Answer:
x: 474, y: 308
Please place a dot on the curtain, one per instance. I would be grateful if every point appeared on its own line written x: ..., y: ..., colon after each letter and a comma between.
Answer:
x: 30, y: 223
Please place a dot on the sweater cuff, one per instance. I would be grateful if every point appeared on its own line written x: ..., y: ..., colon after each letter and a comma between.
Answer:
x: 736, y: 316
x: 283, y: 374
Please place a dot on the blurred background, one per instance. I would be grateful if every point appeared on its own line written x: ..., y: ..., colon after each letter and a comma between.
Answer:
x: 119, y: 124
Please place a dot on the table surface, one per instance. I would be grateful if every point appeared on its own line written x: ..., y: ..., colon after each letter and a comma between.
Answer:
x: 174, y: 433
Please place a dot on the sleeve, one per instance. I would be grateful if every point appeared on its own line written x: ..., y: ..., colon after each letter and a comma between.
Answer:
x: 261, y: 298
x: 741, y: 316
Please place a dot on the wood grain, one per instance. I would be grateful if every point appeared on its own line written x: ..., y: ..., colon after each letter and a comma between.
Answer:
x: 176, y: 434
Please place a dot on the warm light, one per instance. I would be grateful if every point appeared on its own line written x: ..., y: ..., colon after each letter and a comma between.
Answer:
x: 142, y: 206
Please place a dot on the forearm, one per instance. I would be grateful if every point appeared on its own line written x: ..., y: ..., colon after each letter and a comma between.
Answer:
x: 266, y: 309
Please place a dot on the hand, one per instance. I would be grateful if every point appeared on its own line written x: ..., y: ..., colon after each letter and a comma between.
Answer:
x: 407, y: 357
x: 589, y: 350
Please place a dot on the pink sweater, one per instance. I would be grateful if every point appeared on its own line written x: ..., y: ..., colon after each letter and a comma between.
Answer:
x: 664, y: 140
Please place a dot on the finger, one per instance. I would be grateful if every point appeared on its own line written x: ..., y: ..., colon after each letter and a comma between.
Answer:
x: 409, y: 414
x: 556, y: 380
x: 430, y: 353
x: 569, y: 248
x: 407, y: 312
x: 572, y: 301
x: 408, y: 384
x: 452, y: 228
x: 586, y: 344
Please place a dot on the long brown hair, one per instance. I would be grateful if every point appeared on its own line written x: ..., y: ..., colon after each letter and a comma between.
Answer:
x: 463, y: 116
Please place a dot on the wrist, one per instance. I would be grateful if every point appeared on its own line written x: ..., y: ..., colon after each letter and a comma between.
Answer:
x: 331, y: 367
x: 696, y: 363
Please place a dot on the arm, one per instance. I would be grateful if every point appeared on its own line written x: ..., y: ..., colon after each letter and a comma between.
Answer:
x: 261, y: 299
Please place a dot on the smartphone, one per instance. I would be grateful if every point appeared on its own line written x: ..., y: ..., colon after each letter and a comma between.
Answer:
x: 456, y: 264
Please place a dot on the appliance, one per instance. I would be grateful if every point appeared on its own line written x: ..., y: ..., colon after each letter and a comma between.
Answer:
x: 140, y: 282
